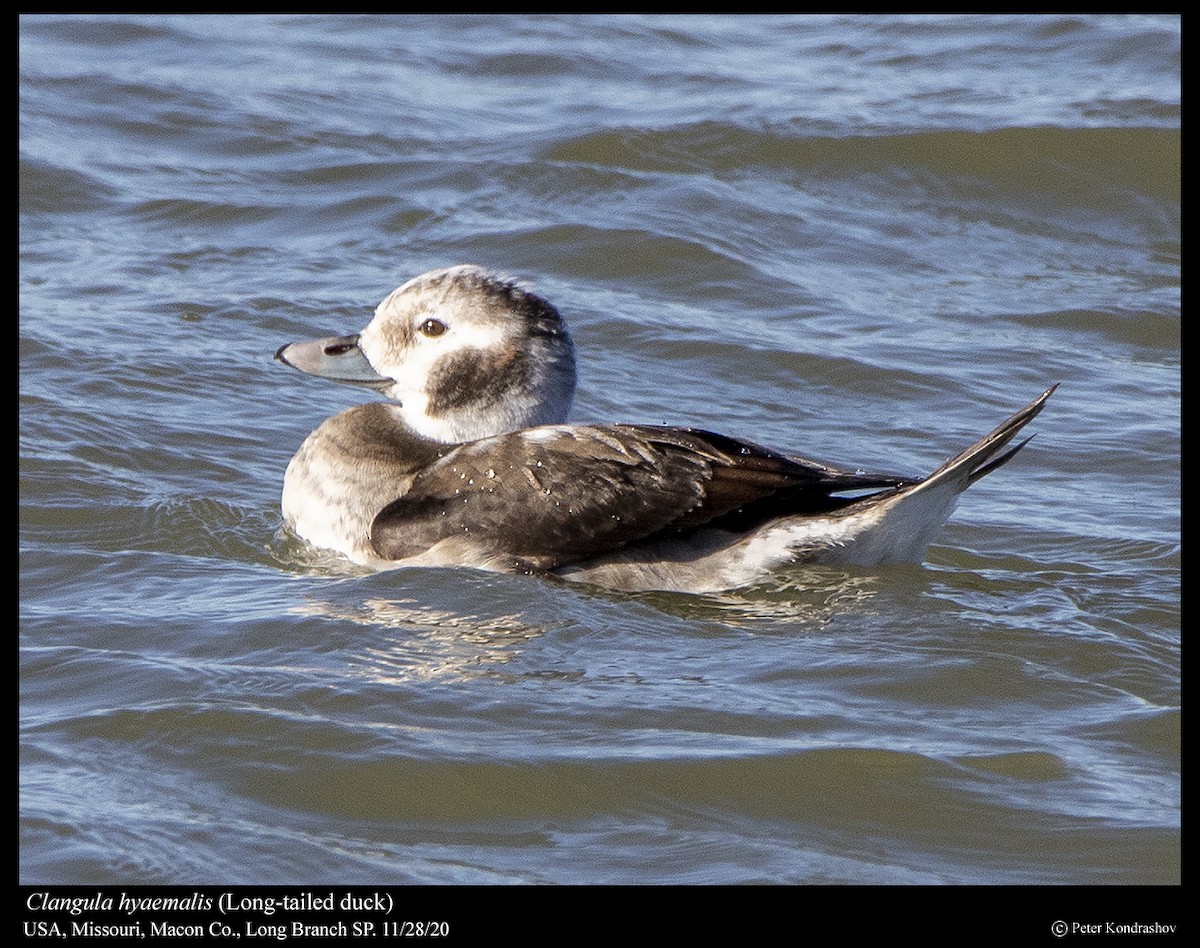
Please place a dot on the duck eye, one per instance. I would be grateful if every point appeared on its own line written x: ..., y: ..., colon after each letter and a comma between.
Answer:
x: 432, y: 327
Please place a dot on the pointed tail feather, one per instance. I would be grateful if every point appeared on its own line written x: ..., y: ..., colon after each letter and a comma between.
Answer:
x: 981, y: 458
x: 897, y: 526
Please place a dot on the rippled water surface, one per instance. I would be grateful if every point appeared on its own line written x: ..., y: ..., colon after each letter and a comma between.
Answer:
x: 860, y: 239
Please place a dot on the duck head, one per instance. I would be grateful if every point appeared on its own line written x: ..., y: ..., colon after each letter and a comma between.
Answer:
x: 464, y: 352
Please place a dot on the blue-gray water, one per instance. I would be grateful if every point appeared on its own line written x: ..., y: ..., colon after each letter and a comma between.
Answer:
x: 864, y: 239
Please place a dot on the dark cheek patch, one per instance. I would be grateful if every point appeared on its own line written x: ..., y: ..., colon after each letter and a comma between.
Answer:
x: 473, y: 378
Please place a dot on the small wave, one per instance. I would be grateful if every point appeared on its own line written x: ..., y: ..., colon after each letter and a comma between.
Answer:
x: 45, y: 188
x: 1145, y: 159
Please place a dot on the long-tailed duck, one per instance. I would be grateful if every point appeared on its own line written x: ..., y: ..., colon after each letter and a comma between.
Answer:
x: 471, y: 462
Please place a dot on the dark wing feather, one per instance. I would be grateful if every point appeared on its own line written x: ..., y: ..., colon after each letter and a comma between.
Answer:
x: 755, y: 482
x: 551, y: 496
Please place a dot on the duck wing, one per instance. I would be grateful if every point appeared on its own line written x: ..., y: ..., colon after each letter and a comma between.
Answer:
x: 545, y: 497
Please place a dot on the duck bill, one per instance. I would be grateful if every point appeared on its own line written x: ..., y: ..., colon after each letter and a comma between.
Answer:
x: 338, y: 358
